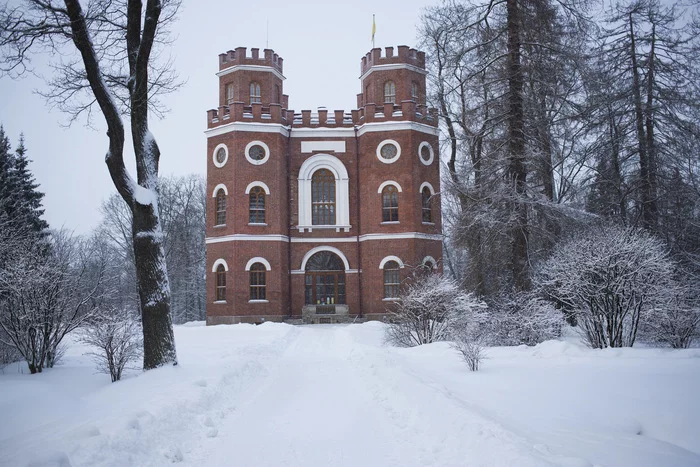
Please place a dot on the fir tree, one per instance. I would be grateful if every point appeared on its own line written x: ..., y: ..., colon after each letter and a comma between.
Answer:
x: 6, y: 164
x: 28, y: 208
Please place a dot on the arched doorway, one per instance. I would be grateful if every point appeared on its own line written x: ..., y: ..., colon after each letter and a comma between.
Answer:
x: 324, y: 281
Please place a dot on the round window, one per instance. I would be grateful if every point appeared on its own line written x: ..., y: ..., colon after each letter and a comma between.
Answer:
x: 389, y: 151
x: 425, y: 152
x: 221, y: 156
x: 257, y: 152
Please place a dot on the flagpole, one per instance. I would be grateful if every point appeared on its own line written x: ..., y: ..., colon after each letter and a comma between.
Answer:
x: 374, y: 28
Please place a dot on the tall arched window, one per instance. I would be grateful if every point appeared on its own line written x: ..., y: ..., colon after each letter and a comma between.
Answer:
x: 389, y: 92
x: 257, y: 281
x: 390, y: 204
x: 256, y: 209
x: 415, y: 91
x: 254, y: 92
x: 392, y: 279
x: 220, y: 283
x: 278, y: 94
x: 221, y: 207
x: 427, y: 208
x: 323, y: 198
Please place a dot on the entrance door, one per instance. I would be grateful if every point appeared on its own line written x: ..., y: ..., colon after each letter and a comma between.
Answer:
x: 325, y: 282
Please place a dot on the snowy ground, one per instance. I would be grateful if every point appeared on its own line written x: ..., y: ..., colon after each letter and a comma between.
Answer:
x: 279, y: 395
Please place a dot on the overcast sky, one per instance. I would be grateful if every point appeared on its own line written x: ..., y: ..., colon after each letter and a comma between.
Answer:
x: 321, y: 42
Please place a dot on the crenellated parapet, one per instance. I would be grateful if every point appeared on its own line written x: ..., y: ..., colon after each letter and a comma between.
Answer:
x: 240, y: 57
x: 274, y: 113
x: 404, y: 54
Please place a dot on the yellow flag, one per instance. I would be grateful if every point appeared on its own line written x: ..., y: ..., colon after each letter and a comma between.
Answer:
x: 374, y: 29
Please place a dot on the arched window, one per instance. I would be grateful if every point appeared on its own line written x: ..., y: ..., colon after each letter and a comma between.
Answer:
x: 278, y: 94
x: 425, y: 202
x: 392, y: 279
x: 323, y: 198
x: 254, y: 92
x: 221, y: 207
x: 415, y: 90
x: 220, y: 283
x: 390, y: 204
x: 257, y: 281
x: 229, y: 93
x: 389, y: 92
x: 256, y: 210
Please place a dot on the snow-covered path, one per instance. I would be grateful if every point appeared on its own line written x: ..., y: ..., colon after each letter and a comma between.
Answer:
x: 331, y: 395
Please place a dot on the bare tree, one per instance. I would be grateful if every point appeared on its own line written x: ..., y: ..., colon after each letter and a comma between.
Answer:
x: 116, y: 69
x: 116, y: 335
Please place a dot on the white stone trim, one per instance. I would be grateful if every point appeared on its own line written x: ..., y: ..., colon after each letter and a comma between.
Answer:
x: 252, y: 185
x: 217, y: 263
x: 400, y: 236
x: 284, y: 238
x: 390, y: 258
x: 235, y: 68
x: 324, y: 240
x: 332, y: 249
x: 342, y: 196
x: 247, y: 238
x: 384, y: 143
x: 432, y: 153
x: 301, y: 271
x: 258, y: 301
x: 389, y: 182
x: 312, y: 146
x: 258, y: 259
x: 264, y: 146
x: 213, y: 156
x: 393, y: 66
x: 218, y: 187
x: 431, y: 259
x: 430, y: 187
x: 305, y: 132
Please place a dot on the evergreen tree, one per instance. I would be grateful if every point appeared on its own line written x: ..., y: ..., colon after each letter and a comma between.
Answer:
x: 28, y: 206
x: 6, y: 164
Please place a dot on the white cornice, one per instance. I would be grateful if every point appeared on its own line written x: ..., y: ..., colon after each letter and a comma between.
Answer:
x: 393, y: 66
x: 401, y: 236
x: 246, y: 126
x: 247, y: 238
x: 285, y: 238
x: 322, y: 132
x: 234, y: 68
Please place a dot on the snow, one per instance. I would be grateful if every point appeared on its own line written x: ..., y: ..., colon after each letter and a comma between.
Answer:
x: 335, y: 395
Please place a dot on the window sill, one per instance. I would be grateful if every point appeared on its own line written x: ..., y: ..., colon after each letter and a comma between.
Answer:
x: 390, y: 299
x: 389, y: 223
x: 258, y: 301
x: 218, y: 226
x: 218, y: 302
x: 428, y: 223
x: 257, y: 224
x: 310, y: 228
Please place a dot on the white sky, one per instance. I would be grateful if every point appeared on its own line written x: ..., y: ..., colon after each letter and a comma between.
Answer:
x: 321, y: 42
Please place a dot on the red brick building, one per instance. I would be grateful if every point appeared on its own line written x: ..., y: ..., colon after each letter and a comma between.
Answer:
x: 319, y: 216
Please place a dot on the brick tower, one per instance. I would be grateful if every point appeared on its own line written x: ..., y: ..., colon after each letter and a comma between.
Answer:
x: 319, y: 217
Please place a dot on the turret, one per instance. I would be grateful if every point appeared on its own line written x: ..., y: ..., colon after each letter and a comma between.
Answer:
x: 251, y: 79
x: 392, y: 78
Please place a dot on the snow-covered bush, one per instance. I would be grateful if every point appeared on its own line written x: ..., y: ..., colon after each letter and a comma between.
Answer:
x: 677, y: 322
x: 118, y: 339
x: 429, y: 309
x: 611, y: 278
x: 44, y: 295
x: 520, y: 319
x: 471, y: 350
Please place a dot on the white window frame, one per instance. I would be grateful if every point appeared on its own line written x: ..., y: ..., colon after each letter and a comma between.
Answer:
x: 384, y: 143
x: 342, y: 195
x: 253, y: 161
x: 432, y: 153
x: 213, y: 156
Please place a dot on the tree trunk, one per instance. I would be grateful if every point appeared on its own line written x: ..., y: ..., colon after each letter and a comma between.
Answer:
x: 652, y: 207
x: 516, y: 171
x: 645, y: 188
